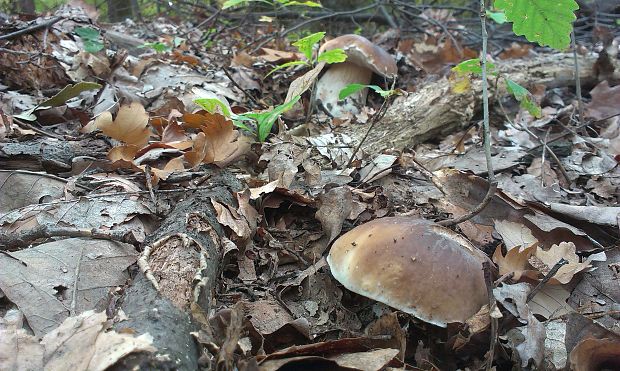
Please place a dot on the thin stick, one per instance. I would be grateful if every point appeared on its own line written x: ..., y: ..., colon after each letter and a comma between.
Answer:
x: 488, y: 279
x: 546, y: 279
x: 485, y: 124
x: 577, y: 78
x: 240, y: 88
x: 375, y: 118
x: 31, y: 29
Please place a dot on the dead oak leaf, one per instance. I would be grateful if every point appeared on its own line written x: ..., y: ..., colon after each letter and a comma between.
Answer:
x: 224, y: 143
x: 174, y: 165
x: 129, y: 126
x: 564, y: 250
x: 515, y: 261
x: 198, y: 152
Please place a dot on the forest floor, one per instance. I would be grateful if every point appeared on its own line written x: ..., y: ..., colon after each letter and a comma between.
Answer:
x: 142, y: 224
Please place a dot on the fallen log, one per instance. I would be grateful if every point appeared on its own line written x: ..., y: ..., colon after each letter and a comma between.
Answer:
x: 434, y: 111
x: 184, y: 264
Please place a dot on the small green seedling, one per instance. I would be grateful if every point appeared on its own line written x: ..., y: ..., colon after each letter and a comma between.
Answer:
x: 160, y: 47
x: 354, y: 88
x: 306, y: 47
x: 263, y: 121
x: 91, y: 38
x: 521, y: 94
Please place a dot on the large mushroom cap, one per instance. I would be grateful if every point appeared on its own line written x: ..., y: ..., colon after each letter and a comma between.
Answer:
x: 363, y: 53
x: 413, y: 265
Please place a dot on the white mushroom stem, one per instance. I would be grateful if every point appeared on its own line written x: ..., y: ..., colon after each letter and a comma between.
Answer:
x: 336, y: 78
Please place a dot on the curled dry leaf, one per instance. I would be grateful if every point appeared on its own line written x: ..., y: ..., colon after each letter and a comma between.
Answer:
x: 515, y: 261
x: 129, y: 126
x: 224, y: 144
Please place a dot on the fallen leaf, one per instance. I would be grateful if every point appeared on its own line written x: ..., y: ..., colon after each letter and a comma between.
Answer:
x: 224, y: 143
x: 129, y: 126
x: 604, y: 101
x: 564, y: 250
x: 516, y: 260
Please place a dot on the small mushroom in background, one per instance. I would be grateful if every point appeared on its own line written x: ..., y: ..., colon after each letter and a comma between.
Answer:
x: 413, y: 265
x: 363, y: 59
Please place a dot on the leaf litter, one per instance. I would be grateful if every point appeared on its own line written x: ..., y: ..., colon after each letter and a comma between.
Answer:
x: 147, y: 146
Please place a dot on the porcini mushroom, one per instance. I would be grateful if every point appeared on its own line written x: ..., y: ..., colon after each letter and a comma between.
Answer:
x: 413, y: 265
x: 363, y: 59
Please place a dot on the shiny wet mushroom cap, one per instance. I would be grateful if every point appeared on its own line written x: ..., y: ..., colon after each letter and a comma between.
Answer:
x: 363, y: 59
x: 413, y: 265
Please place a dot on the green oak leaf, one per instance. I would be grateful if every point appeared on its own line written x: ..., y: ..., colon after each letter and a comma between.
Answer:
x: 354, y: 88
x: 547, y: 22
x: 287, y: 64
x: 524, y: 97
x: 471, y: 66
x: 305, y: 44
x: 332, y: 56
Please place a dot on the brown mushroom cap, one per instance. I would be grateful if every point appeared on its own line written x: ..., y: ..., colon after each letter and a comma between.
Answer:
x: 364, y: 53
x: 413, y: 265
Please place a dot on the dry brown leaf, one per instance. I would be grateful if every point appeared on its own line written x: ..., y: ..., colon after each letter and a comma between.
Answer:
x: 174, y: 132
x: 230, y: 218
x: 564, y: 250
x: 604, y: 101
x: 129, y: 126
x: 273, y: 55
x: 224, y: 143
x: 516, y: 50
x: 198, y: 152
x: 516, y: 260
x: 123, y: 153
x: 176, y: 164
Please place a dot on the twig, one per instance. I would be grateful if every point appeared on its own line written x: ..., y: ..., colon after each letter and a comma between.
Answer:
x: 487, y: 131
x: 240, y: 88
x: 546, y: 279
x: 577, y: 78
x: 488, y: 279
x: 544, y: 143
x: 375, y: 118
x: 25, y: 238
x: 475, y: 211
x: 31, y: 29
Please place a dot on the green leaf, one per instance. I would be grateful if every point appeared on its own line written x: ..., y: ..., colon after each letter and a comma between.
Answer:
x: 87, y: 33
x: 547, y: 22
x: 91, y: 39
x: 287, y: 64
x: 354, y: 88
x: 212, y: 104
x: 265, y: 120
x: 332, y: 56
x: 350, y: 89
x: 230, y: 3
x: 158, y: 46
x: 471, y: 66
x: 312, y: 4
x: 93, y: 46
x: 68, y: 92
x: 524, y: 97
x: 306, y: 44
x: 498, y: 17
